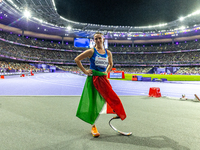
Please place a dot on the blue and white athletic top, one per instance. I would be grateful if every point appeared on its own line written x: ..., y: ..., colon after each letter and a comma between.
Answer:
x: 99, y: 61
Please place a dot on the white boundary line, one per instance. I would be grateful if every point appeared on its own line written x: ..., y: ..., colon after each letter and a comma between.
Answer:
x: 39, y: 95
x: 56, y: 95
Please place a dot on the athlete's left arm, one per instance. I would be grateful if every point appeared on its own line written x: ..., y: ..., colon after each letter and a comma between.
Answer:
x: 110, y: 61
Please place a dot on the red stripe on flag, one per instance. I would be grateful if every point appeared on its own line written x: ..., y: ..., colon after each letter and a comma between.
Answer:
x: 109, y: 109
x: 104, y: 87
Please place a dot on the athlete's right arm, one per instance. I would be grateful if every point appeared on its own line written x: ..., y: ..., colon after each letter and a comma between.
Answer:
x: 85, y: 54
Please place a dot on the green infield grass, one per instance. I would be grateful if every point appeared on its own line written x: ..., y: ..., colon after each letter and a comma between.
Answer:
x: 168, y: 77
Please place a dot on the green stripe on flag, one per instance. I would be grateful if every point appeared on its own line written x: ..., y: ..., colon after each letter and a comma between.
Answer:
x: 91, y: 102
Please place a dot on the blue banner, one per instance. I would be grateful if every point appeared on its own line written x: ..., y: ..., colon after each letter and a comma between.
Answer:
x: 116, y: 75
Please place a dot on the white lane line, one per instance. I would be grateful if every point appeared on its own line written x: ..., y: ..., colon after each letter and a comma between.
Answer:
x: 57, y: 83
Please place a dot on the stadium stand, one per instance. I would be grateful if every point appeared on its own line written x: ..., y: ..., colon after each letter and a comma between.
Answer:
x: 183, y: 53
x: 7, y: 66
x: 187, y: 45
x: 60, y: 56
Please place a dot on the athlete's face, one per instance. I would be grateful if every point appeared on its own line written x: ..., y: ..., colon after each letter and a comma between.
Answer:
x: 98, y: 39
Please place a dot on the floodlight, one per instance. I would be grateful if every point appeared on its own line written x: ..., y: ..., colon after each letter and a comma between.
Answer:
x: 196, y: 12
x: 27, y: 14
x: 69, y: 28
x: 182, y: 28
x: 182, y: 18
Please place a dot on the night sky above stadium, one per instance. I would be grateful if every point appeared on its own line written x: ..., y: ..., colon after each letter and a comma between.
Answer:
x: 126, y: 12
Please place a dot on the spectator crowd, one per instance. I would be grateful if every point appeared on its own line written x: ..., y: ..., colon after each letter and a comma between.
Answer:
x: 36, y: 54
x: 28, y: 53
x: 114, y: 48
x: 9, y: 66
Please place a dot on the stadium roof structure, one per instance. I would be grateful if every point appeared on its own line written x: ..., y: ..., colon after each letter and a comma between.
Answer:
x: 45, y: 19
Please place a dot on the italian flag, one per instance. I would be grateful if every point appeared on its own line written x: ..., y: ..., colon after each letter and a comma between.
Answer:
x: 107, y: 109
x: 98, y: 92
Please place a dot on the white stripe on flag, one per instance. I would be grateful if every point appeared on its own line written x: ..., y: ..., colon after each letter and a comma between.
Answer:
x: 104, y: 109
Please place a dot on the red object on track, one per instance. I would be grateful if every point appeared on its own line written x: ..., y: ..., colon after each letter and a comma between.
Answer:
x: 154, y: 92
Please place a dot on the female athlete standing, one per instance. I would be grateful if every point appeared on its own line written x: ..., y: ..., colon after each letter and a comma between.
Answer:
x: 100, y: 64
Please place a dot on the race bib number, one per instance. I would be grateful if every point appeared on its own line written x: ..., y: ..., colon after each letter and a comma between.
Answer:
x: 101, y: 62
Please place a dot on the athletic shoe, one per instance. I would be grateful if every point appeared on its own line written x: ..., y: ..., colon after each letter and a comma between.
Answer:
x: 94, y: 131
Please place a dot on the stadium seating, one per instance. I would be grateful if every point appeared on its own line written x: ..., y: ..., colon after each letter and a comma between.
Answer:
x: 29, y: 54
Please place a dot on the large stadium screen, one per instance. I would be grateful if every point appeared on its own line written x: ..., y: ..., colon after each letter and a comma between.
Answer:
x: 82, y: 42
x: 92, y: 43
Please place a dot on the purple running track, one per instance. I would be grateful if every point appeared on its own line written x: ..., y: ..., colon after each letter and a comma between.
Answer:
x: 70, y: 84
